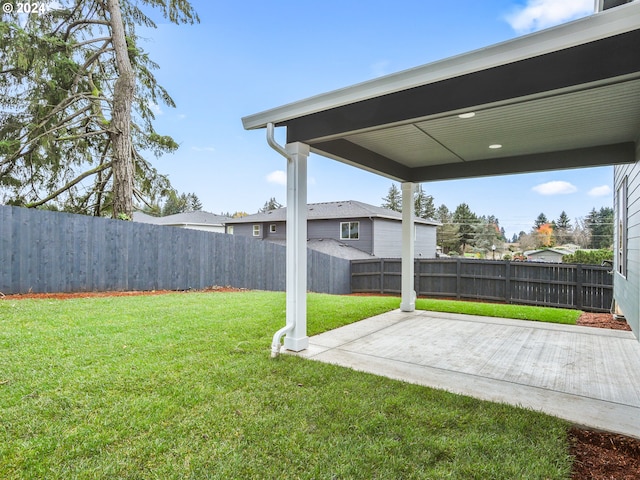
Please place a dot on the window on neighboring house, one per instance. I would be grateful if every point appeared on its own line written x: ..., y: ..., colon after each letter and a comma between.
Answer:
x: 349, y: 230
x: 230, y: 230
x: 621, y: 225
x: 272, y: 228
x: 256, y: 230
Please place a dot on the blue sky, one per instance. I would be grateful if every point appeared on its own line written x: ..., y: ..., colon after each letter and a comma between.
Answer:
x: 246, y: 57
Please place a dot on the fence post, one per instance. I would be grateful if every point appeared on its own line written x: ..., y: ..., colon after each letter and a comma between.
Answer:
x: 579, y: 286
x: 458, y: 282
x: 416, y: 276
x: 382, y: 275
x: 507, y: 281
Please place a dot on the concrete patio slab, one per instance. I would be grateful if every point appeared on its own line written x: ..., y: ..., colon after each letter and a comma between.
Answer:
x: 586, y: 375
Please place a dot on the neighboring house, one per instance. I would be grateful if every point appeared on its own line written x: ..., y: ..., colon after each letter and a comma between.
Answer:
x: 547, y: 255
x: 198, y: 220
x: 348, y: 229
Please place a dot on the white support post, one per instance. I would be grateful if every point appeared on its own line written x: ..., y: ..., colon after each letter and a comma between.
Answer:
x: 408, y: 301
x: 296, y: 282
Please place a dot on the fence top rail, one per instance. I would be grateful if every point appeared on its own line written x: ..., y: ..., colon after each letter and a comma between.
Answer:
x: 568, y: 266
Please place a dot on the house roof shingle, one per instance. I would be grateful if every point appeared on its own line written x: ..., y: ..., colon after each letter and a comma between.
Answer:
x: 193, y: 218
x: 330, y: 210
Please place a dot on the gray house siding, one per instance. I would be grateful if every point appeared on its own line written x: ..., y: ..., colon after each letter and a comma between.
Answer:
x: 244, y: 229
x: 378, y: 236
x: 280, y: 230
x: 425, y: 246
x: 387, y: 236
x: 627, y: 287
x: 379, y: 230
x: 331, y: 229
x: 387, y: 239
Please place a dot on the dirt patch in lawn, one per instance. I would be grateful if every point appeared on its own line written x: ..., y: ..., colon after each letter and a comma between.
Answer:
x: 134, y: 293
x: 598, y: 455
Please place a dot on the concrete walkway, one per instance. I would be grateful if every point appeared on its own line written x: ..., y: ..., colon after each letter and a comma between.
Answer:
x: 589, y: 376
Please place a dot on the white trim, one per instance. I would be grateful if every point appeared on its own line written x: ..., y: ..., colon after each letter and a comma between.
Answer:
x: 622, y: 221
x: 602, y: 25
x: 296, y: 268
x: 357, y: 223
x: 408, y: 300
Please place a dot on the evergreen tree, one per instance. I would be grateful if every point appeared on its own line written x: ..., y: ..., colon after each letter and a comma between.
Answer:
x: 486, y: 235
x: 185, y: 202
x: 393, y: 200
x: 76, y: 106
x: 423, y: 204
x: 271, y: 204
x: 541, y: 220
x: 447, y: 232
x: 562, y: 229
x: 465, y: 220
x: 600, y: 224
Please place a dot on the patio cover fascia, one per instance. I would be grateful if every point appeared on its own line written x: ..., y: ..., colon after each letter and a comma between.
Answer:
x: 565, y: 97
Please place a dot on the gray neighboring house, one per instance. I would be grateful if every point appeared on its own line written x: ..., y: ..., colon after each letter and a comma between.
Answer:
x: 198, y: 220
x: 547, y: 255
x: 348, y: 229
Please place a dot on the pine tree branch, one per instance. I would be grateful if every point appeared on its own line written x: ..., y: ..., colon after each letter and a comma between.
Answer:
x: 75, y: 181
x: 83, y: 22
x: 93, y: 40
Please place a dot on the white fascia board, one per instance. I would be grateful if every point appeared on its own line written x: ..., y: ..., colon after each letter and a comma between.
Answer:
x: 188, y: 224
x: 417, y: 220
x: 611, y: 22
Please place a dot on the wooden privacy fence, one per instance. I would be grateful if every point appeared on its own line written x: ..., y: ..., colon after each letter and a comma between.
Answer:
x: 583, y: 287
x: 43, y: 251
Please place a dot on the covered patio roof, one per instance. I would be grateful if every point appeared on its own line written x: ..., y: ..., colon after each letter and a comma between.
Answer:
x: 565, y: 97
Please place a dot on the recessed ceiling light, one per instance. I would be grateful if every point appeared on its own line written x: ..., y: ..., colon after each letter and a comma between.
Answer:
x: 495, y: 146
x: 467, y: 115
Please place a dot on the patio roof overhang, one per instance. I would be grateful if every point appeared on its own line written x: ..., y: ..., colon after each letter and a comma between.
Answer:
x: 565, y: 97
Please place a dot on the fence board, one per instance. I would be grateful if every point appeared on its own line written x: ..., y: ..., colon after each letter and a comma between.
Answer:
x: 584, y: 287
x: 42, y: 251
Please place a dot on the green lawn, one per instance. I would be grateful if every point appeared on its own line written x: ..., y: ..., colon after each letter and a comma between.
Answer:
x: 182, y: 386
x: 520, y: 312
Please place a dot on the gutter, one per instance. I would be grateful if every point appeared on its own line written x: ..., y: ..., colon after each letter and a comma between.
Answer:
x: 277, y: 337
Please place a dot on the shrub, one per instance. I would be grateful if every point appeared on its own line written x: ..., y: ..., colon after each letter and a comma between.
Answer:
x: 589, y: 257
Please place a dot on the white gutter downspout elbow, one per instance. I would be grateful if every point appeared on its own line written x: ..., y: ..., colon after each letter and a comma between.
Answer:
x: 277, y: 337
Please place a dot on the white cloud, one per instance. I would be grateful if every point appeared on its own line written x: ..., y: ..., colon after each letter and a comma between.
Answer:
x: 278, y: 177
x: 540, y: 14
x: 601, y: 191
x: 155, y: 108
x: 203, y: 149
x: 557, y: 187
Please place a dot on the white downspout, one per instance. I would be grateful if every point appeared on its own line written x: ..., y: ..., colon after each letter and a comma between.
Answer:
x: 277, y: 337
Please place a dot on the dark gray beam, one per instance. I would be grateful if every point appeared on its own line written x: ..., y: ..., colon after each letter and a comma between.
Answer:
x: 615, y: 154
x: 599, y: 60
x: 350, y: 152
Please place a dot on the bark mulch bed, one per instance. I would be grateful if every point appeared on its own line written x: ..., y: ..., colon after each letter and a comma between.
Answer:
x: 598, y: 455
